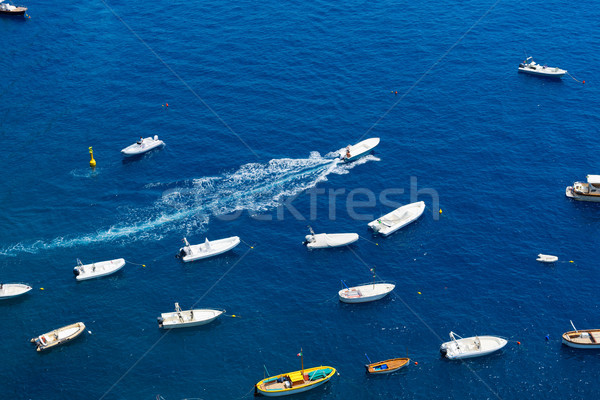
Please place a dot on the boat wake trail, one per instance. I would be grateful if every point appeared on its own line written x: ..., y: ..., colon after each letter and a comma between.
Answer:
x: 190, y: 205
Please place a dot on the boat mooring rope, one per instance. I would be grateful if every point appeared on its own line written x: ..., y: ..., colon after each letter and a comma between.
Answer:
x: 246, y: 244
x: 129, y: 262
x: 370, y: 241
x: 582, y: 82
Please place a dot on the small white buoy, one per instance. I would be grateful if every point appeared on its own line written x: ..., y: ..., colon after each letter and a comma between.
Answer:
x: 90, y: 332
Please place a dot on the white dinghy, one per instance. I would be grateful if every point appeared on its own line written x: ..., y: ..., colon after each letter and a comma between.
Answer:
x: 10, y: 290
x: 353, y: 153
x: 365, y: 292
x: 398, y: 218
x: 186, y: 318
x: 97, y: 270
x: 546, y: 258
x: 470, y: 347
x: 142, y: 146
x: 325, y: 240
x: 207, y: 249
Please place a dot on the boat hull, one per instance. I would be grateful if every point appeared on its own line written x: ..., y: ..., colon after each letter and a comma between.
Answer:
x: 99, y: 269
x: 387, y: 366
x: 576, y: 340
x: 199, y: 251
x: 19, y: 12
x: 328, y: 240
x: 12, y: 290
x: 547, y: 73
x: 366, y: 293
x: 261, y: 387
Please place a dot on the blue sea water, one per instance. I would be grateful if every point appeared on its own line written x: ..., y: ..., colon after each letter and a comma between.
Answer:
x: 259, y: 95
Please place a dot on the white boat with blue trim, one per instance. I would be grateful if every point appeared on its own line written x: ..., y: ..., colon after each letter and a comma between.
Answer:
x: 353, y: 153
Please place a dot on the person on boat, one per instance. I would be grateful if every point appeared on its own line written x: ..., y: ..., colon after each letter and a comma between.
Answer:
x: 140, y: 141
x: 348, y: 152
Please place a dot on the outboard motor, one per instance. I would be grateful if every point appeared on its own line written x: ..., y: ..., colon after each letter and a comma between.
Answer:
x: 76, y: 271
x: 309, y: 239
x: 443, y: 351
x: 160, y: 321
x: 155, y: 137
x: 181, y: 253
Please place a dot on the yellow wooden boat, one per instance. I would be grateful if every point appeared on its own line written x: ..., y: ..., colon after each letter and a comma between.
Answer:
x: 58, y: 336
x: 294, y: 382
x: 387, y: 366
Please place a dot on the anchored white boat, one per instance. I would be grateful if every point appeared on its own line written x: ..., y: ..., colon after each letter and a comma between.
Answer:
x: 585, y: 191
x: 207, y: 249
x: 546, y: 258
x: 325, y: 240
x: 97, y: 270
x: 142, y: 146
x: 353, y: 153
x: 531, y: 67
x: 582, y: 338
x: 9, y: 9
x: 470, y: 347
x: 186, y: 318
x: 398, y: 218
x: 10, y: 290
x: 365, y: 292
x: 58, y: 336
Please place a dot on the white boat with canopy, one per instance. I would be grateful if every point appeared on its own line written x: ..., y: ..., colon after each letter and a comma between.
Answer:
x: 470, y: 347
x: 142, y: 146
x: 353, y: 153
x: 98, y: 269
x: 365, y: 292
x: 546, y: 258
x: 325, y: 240
x: 398, y: 218
x: 585, y: 191
x: 186, y: 318
x: 531, y: 67
x: 10, y: 290
x: 58, y: 336
x: 207, y: 249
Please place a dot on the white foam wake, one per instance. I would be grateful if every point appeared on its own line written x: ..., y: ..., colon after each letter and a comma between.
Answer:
x: 253, y: 187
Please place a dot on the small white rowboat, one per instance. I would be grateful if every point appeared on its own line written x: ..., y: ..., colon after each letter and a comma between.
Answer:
x: 97, y: 270
x: 10, y: 290
x: 366, y: 292
x: 353, y: 153
x: 546, y: 258
x: 398, y: 218
x: 58, y: 336
x: 325, y: 240
x: 186, y: 318
x: 207, y: 249
x: 142, y: 146
x: 470, y: 347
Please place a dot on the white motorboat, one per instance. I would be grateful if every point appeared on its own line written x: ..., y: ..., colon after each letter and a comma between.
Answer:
x: 58, y: 336
x: 325, y: 240
x: 97, y: 270
x: 353, y: 153
x: 186, y: 318
x: 207, y: 249
x: 142, y: 146
x: 470, y: 347
x: 398, y: 218
x: 585, y: 191
x: 582, y: 338
x: 531, y: 67
x: 546, y: 258
x: 365, y: 292
x: 10, y: 290
x: 9, y: 9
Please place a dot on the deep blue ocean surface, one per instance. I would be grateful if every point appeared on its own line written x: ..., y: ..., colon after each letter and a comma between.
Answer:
x: 259, y: 96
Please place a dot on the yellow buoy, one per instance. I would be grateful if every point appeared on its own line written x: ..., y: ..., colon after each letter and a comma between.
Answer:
x: 41, y: 288
x: 92, y: 161
x: 440, y: 210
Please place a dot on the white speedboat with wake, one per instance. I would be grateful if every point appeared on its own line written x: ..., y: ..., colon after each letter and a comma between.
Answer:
x: 470, y: 347
x: 142, y: 146
x: 207, y: 249
x: 398, y: 218
x: 186, y: 318
x: 98, y: 269
x: 10, y: 290
x: 531, y: 67
x: 326, y: 240
x: 353, y: 153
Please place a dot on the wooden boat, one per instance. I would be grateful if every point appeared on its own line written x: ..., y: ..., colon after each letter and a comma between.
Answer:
x: 398, y: 218
x: 294, y: 382
x: 585, y: 191
x: 207, y: 249
x: 326, y: 240
x: 186, y: 318
x: 546, y: 258
x: 387, y: 366
x: 142, y: 146
x: 9, y: 9
x: 353, y: 153
x: 531, y: 67
x: 97, y: 270
x: 10, y: 290
x: 58, y: 336
x: 470, y: 347
x: 582, y: 338
x: 365, y: 292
